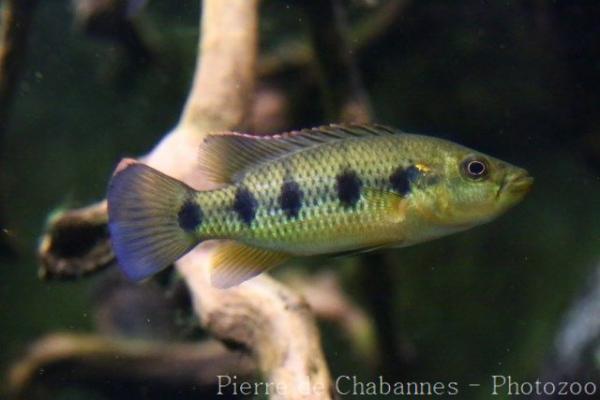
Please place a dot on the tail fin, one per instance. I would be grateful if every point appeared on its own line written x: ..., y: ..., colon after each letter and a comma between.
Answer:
x: 151, y: 218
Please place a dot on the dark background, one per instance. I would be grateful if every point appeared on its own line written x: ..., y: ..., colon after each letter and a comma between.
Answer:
x: 516, y: 79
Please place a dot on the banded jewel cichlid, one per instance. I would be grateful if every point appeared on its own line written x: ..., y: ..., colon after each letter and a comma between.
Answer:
x: 328, y: 190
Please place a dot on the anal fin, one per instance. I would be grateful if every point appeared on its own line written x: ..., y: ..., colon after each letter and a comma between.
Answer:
x: 360, y: 250
x: 234, y: 263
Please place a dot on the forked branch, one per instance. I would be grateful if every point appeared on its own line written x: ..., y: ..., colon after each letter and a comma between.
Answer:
x: 266, y: 319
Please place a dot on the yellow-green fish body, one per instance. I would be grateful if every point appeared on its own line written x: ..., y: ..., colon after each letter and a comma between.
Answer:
x: 327, y: 190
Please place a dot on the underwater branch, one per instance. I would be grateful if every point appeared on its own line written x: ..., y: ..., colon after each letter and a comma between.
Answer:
x: 267, y: 320
x: 88, y: 361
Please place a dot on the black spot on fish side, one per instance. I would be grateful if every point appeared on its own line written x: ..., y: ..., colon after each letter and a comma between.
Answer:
x: 189, y: 216
x: 348, y: 187
x: 290, y: 198
x: 401, y: 179
x: 245, y: 205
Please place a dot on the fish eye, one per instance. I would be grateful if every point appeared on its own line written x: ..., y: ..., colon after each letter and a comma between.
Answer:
x: 474, y: 168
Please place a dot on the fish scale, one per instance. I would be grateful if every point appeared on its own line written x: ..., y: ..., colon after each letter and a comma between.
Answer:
x: 322, y: 216
x: 327, y: 190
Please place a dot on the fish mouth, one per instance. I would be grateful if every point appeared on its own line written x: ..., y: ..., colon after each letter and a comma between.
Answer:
x: 517, y: 184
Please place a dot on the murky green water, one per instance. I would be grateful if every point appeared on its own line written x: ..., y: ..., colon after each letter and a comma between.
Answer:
x: 514, y: 80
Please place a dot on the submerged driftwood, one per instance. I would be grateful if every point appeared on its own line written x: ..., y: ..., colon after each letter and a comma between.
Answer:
x: 119, y: 366
x: 267, y: 320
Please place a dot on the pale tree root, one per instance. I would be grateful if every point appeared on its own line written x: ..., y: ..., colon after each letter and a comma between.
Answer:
x: 268, y: 320
x: 116, y: 367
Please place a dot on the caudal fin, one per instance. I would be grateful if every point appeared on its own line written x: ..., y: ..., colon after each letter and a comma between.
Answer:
x: 151, y: 218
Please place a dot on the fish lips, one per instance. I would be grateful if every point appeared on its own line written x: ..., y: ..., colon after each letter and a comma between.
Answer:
x: 518, y: 184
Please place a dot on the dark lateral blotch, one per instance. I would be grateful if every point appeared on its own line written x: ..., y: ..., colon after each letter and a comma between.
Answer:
x: 189, y: 216
x: 402, y: 179
x: 349, y: 186
x: 245, y: 205
x: 290, y: 198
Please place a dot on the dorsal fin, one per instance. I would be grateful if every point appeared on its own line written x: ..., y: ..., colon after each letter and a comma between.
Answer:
x: 225, y: 156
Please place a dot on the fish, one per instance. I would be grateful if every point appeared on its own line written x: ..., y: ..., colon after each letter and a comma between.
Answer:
x: 330, y: 190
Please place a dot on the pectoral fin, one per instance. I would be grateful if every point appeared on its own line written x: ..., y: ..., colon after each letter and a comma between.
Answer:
x: 390, y: 210
x: 234, y: 263
x: 389, y: 206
